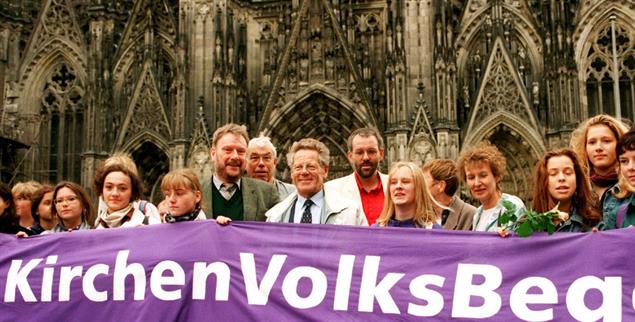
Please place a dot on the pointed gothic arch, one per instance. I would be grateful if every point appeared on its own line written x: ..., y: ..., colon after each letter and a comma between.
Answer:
x: 470, y: 37
x: 60, y: 136
x: 280, y: 114
x: 153, y: 163
x: 501, y: 95
x: 593, y: 51
x: 317, y: 114
x: 521, y: 145
x: 35, y: 73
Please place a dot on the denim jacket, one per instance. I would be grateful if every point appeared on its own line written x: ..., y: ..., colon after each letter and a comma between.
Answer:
x: 611, y: 206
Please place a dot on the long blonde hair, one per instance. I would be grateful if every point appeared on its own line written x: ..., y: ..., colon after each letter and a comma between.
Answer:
x: 579, y: 136
x: 424, y: 214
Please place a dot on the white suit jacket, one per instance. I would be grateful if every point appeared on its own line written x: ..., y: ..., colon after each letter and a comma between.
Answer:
x: 336, y: 210
x: 347, y: 188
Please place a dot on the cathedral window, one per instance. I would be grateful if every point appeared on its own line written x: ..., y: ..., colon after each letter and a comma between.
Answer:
x: 600, y: 84
x: 61, y: 132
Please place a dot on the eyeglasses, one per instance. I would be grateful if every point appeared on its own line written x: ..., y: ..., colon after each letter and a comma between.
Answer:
x: 68, y: 200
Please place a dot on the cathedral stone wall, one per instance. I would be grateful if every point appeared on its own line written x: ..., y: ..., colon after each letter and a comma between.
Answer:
x: 82, y: 79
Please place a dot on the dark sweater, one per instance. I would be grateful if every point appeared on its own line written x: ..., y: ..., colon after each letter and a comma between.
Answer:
x: 232, y: 208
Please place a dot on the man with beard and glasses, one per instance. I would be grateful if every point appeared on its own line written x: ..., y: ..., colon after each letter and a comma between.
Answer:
x: 366, y: 185
x: 228, y: 195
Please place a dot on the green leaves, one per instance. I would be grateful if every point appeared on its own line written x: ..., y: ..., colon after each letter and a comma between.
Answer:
x: 530, y: 221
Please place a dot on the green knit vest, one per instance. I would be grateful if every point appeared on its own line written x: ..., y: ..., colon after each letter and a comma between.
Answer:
x: 232, y: 208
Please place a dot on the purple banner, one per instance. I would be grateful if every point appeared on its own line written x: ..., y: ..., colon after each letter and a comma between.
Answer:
x: 281, y: 272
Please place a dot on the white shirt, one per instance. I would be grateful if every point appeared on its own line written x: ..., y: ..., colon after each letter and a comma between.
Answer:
x: 218, y: 184
x: 316, y: 208
x: 487, y: 217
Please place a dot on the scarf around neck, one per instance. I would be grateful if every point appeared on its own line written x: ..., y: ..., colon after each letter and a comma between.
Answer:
x: 115, y: 218
x: 604, y: 181
x: 185, y: 217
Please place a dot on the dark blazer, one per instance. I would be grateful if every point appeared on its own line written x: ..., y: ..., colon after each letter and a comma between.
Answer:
x: 258, y: 197
x: 462, y: 215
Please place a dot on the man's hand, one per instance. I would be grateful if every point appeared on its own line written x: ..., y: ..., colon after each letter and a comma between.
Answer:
x: 222, y: 220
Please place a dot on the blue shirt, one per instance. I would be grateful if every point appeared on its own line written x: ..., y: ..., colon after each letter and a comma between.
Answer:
x: 316, y: 207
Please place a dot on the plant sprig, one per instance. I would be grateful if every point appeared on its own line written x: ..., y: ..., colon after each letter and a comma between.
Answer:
x: 530, y: 221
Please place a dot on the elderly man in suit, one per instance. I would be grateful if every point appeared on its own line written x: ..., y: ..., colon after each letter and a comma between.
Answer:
x: 262, y: 160
x: 313, y: 203
x: 366, y: 185
x: 228, y: 195
x: 442, y: 179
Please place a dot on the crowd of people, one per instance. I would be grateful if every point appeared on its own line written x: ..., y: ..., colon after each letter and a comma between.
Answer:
x: 593, y: 181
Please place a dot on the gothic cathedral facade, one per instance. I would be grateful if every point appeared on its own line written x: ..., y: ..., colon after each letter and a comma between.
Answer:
x: 82, y: 79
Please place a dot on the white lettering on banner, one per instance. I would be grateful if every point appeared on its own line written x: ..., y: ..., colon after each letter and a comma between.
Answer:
x: 17, y: 278
x: 158, y: 280
x: 519, y: 298
x: 199, y: 280
x: 47, y: 280
x: 318, y: 289
x: 122, y: 270
x: 259, y: 294
x: 68, y: 273
x: 464, y: 290
x: 419, y: 290
x: 611, y: 308
x: 167, y: 282
x: 88, y: 284
x: 343, y: 283
x: 371, y: 290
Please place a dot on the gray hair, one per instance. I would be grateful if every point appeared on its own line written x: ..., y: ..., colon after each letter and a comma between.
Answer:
x: 309, y: 144
x: 261, y: 142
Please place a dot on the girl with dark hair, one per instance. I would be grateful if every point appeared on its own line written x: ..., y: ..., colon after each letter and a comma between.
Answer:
x: 9, y: 220
x: 121, y: 190
x: 560, y: 181
x: 73, y: 208
x: 619, y: 203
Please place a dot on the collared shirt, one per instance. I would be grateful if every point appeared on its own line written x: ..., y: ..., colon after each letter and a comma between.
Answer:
x: 218, y: 183
x: 373, y: 200
x: 316, y: 208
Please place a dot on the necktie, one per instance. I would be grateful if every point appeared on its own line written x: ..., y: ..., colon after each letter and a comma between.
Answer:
x: 306, y: 214
x: 227, y: 190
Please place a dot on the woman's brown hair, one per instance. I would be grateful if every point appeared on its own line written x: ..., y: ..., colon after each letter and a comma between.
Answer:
x: 88, y: 209
x: 583, y: 201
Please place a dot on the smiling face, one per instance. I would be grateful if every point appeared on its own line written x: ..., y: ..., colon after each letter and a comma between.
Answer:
x: 261, y: 164
x: 229, y: 157
x: 600, y: 148
x: 181, y: 200
x: 402, y: 187
x: 307, y: 172
x: 561, y: 180
x: 68, y: 207
x: 482, y: 183
x: 365, y: 155
x: 117, y: 191
x: 627, y: 166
